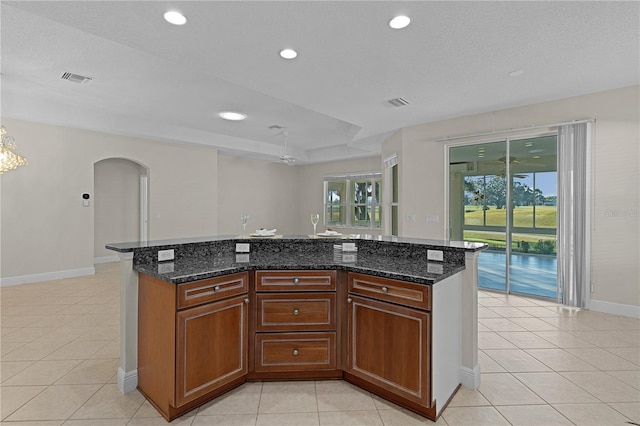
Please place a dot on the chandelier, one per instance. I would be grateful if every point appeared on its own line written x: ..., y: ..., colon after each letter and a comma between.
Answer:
x: 9, y: 160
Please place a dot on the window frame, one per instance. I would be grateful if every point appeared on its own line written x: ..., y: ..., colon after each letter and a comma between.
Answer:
x: 348, y: 202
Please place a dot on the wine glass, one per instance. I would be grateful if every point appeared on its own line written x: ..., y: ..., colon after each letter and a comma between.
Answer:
x: 315, y: 217
x: 244, y: 218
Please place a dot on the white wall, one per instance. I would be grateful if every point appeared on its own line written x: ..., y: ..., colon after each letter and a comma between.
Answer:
x: 45, y: 228
x: 116, y: 203
x: 277, y: 195
x: 259, y: 188
x: 616, y: 242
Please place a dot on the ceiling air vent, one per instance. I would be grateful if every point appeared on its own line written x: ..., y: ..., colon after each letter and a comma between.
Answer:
x: 76, y: 78
x: 398, y: 102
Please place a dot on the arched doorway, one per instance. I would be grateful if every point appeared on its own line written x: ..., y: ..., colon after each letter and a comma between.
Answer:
x: 119, y: 204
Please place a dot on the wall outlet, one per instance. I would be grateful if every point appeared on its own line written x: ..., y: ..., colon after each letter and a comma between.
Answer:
x: 433, y: 218
x: 166, y: 255
x: 411, y: 217
x: 349, y: 247
x: 242, y: 247
x: 435, y: 268
x: 165, y: 268
x: 348, y: 258
x: 242, y: 257
x: 435, y: 255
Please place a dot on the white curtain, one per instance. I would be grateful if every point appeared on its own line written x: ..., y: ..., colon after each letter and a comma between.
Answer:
x: 573, y: 213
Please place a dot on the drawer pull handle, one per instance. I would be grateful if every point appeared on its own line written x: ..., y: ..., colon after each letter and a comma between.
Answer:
x: 296, y: 280
x: 246, y: 300
x: 295, y: 352
x: 384, y: 289
x: 296, y: 311
x: 216, y: 288
x: 349, y: 300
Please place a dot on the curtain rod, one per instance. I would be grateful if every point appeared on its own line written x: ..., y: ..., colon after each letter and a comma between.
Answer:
x: 497, y: 132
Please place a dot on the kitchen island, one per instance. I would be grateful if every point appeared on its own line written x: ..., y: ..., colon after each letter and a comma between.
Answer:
x: 395, y: 316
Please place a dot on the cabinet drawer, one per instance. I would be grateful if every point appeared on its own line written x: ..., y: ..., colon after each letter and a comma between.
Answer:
x: 401, y: 292
x: 295, y: 351
x: 204, y: 291
x: 296, y: 312
x: 295, y: 280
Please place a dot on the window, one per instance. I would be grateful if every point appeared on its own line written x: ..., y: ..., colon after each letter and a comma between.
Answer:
x: 353, y: 200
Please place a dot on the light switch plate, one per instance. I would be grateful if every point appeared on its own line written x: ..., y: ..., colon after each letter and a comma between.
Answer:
x: 242, y: 247
x: 166, y: 255
x: 435, y: 255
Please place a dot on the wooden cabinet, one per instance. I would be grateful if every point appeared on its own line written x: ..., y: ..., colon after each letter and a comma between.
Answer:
x: 295, y: 322
x: 192, y: 340
x: 295, y: 351
x: 200, y: 339
x: 211, y: 347
x: 389, y: 340
x: 296, y: 312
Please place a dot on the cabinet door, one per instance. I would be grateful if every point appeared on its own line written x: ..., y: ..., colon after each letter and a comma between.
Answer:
x: 389, y: 347
x: 211, y: 347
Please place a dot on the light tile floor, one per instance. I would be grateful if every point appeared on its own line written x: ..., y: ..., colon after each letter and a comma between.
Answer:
x: 542, y: 364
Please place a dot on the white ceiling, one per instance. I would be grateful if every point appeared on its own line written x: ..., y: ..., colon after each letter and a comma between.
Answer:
x: 156, y: 80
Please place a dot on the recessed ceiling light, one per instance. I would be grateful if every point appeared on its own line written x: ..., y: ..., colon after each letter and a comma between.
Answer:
x: 536, y: 157
x: 175, y: 18
x: 288, y: 53
x: 516, y: 73
x: 528, y: 144
x: 233, y: 116
x: 399, y: 22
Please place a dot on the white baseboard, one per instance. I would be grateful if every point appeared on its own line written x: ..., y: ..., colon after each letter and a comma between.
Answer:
x: 106, y: 259
x: 615, y: 308
x: 470, y: 378
x: 47, y: 276
x: 127, y: 382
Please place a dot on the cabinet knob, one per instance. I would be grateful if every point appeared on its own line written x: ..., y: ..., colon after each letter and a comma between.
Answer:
x: 296, y: 311
x: 295, y: 352
x: 216, y: 288
x: 246, y: 300
x: 384, y: 289
x: 349, y: 300
x: 296, y: 280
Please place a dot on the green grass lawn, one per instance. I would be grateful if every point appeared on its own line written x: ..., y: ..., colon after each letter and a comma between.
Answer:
x: 522, y: 216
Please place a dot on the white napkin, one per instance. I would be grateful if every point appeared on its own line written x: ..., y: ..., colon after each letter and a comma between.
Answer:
x: 265, y: 232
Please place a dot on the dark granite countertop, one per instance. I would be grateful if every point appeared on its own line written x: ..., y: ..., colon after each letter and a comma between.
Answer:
x: 186, y: 270
x: 390, y: 257
x: 131, y: 246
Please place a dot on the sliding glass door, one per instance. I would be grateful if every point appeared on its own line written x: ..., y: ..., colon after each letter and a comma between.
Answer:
x: 504, y: 194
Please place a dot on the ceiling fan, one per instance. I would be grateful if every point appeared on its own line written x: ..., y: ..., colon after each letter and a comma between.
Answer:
x: 285, y: 158
x: 512, y: 161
